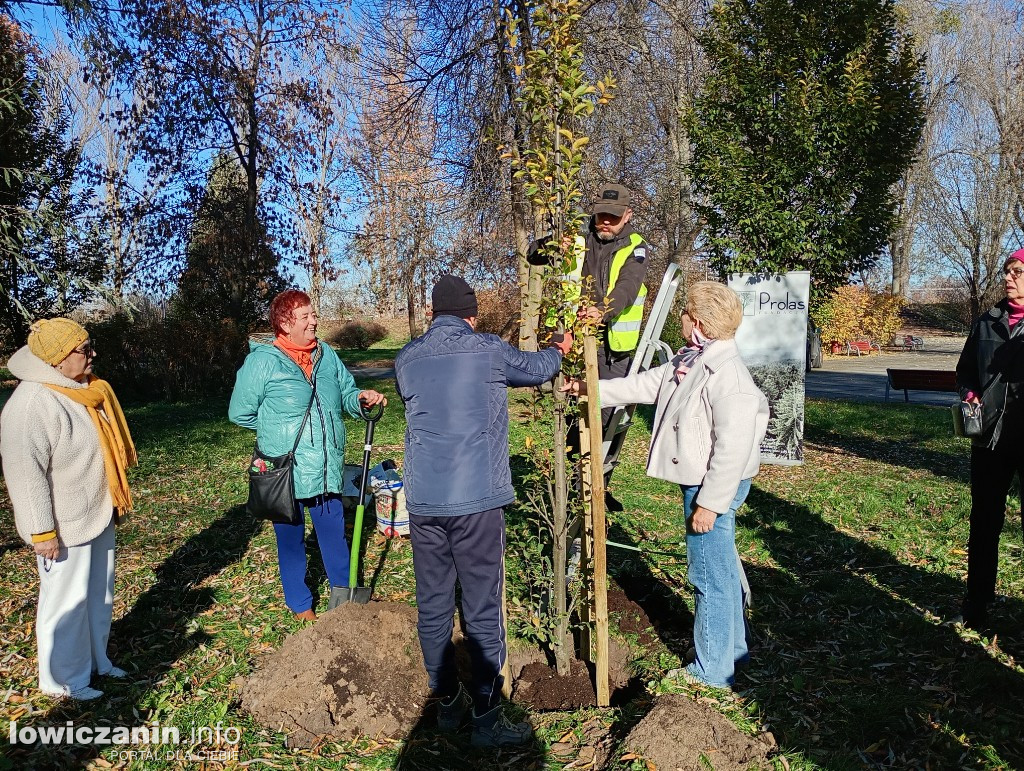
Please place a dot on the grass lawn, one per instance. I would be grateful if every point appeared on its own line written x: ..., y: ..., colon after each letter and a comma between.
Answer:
x: 854, y: 558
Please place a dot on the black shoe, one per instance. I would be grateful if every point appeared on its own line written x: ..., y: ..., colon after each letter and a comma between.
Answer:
x: 972, y: 616
x: 611, y: 503
x: 493, y: 729
x: 450, y: 713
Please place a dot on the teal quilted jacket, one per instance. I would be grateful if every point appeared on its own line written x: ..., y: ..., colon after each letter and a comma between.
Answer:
x: 270, y: 396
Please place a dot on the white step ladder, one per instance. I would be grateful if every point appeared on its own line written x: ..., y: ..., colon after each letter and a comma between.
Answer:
x: 650, y: 343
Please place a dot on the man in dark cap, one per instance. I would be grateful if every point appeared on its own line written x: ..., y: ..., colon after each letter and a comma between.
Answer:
x: 608, y: 271
x: 609, y: 267
x: 453, y: 381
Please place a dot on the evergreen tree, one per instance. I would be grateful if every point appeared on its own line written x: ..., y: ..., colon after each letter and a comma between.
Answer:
x: 810, y: 115
x: 224, y: 278
x: 48, y: 264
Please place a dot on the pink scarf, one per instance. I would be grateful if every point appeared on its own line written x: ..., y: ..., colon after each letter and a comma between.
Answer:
x: 687, y: 356
x: 1016, y: 314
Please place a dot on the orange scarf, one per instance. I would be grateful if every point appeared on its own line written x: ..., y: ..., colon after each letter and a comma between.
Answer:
x: 300, y: 354
x: 115, y: 440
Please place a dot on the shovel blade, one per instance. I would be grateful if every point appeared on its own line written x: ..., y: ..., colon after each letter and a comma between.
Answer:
x: 360, y: 595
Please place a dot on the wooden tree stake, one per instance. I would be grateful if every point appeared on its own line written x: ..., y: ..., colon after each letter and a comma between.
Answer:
x: 586, y: 565
x: 595, y: 469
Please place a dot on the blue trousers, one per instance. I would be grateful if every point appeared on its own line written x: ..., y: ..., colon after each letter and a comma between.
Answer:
x: 713, y: 567
x: 470, y: 548
x: 328, y: 517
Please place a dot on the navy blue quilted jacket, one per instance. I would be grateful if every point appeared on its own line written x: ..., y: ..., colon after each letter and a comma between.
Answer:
x: 453, y: 382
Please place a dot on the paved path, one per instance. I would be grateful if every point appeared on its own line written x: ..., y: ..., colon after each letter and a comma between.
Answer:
x: 372, y: 373
x: 862, y: 378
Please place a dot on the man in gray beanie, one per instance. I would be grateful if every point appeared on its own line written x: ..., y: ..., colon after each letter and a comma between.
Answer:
x: 453, y: 381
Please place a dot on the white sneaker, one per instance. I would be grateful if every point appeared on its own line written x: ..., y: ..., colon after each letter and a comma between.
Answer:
x: 115, y: 672
x: 85, y: 694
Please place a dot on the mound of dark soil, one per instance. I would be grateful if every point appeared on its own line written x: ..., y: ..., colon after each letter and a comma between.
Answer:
x: 357, y: 671
x: 540, y: 687
x: 681, y: 733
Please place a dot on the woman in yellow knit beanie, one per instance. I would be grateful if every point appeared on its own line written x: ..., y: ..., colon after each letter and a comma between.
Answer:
x: 66, y: 450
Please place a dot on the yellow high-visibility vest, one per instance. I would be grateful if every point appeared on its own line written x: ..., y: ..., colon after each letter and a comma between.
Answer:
x: 624, y: 329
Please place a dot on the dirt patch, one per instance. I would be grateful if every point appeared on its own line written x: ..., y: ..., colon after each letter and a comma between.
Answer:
x: 681, y: 733
x: 630, y: 617
x: 541, y: 688
x: 357, y: 671
x: 648, y: 609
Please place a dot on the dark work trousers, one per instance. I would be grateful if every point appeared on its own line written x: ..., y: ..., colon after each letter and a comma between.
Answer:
x: 992, y: 472
x: 611, y: 364
x: 471, y: 548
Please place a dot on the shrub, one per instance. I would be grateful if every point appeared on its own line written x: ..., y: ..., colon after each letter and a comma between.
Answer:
x: 499, y: 312
x: 854, y: 312
x: 882, y: 319
x: 358, y: 334
x: 840, y: 316
x: 149, y: 356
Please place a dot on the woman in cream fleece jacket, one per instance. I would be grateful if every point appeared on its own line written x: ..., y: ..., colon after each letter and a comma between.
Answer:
x: 708, y: 426
x: 61, y: 491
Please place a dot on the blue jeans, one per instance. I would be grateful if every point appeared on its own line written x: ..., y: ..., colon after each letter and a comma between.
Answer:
x: 328, y: 515
x: 713, y: 568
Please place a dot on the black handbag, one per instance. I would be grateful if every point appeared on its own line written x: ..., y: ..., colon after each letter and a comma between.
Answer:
x: 271, y: 485
x: 967, y: 419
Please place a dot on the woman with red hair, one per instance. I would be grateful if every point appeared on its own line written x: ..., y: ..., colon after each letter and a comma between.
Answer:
x: 281, y: 380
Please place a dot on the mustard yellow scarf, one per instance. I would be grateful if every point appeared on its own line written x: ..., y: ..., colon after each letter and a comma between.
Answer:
x: 115, y: 440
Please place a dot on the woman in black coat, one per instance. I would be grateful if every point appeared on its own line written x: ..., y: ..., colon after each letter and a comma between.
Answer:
x: 991, y: 371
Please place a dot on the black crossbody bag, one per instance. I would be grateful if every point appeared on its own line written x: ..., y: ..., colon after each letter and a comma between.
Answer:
x: 967, y: 417
x: 272, y: 491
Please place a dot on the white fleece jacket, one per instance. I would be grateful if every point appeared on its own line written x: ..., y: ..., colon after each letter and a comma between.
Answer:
x: 51, y: 457
x: 707, y: 429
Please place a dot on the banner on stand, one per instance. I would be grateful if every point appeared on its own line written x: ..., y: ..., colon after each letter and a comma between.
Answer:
x: 773, y: 342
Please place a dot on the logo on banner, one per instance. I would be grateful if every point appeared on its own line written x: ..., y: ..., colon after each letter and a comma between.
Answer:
x: 765, y: 302
x: 749, y: 300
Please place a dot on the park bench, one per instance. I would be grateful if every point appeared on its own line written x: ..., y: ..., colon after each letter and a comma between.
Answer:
x: 909, y: 380
x: 861, y: 347
x: 907, y: 343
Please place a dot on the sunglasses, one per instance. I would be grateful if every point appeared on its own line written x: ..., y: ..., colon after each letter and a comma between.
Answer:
x: 86, y: 350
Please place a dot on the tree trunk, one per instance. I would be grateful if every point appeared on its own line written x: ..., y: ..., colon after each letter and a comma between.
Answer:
x: 410, y: 304
x: 562, y: 642
x: 900, y: 256
x: 529, y: 277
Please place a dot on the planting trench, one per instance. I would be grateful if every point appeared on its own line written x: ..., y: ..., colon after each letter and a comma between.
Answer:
x: 359, y: 671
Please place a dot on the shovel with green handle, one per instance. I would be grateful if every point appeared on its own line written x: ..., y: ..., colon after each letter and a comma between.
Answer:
x: 354, y: 593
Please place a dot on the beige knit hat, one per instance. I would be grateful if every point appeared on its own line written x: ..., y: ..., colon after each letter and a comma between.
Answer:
x: 53, y: 339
